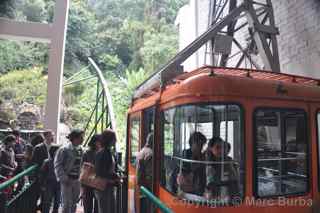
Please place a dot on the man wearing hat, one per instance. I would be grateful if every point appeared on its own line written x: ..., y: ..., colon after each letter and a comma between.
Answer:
x: 67, y: 169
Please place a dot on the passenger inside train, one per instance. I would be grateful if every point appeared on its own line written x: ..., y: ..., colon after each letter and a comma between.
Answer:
x: 195, y: 169
x: 191, y: 177
x: 221, y: 171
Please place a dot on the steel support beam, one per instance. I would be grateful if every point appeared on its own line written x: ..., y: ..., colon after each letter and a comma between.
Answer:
x: 269, y: 55
x: 175, y: 62
x: 263, y: 37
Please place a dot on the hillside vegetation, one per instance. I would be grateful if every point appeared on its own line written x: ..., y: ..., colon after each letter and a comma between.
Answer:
x: 128, y: 39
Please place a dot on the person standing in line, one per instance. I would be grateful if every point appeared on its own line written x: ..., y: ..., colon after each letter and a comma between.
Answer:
x: 89, y: 202
x: 37, y: 139
x: 67, y: 169
x: 27, y: 162
x: 105, y: 168
x: 39, y: 155
x: 145, y: 170
x: 51, y: 185
x: 8, y: 164
x: 41, y: 151
x: 19, y: 148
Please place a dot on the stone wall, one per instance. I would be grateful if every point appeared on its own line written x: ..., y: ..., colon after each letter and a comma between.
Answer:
x: 299, y: 39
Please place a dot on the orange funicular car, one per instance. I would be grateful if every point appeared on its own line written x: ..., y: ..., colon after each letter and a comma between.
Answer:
x: 229, y: 140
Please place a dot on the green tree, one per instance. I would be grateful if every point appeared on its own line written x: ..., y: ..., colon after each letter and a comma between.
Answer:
x: 80, y: 35
x: 7, y: 8
x: 34, y: 10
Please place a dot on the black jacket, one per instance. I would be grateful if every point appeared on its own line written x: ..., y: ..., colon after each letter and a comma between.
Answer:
x: 104, y: 164
x: 40, y: 153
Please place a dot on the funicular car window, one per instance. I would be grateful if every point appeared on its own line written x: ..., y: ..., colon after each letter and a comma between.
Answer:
x: 203, y: 153
x: 281, y: 165
x: 134, y: 139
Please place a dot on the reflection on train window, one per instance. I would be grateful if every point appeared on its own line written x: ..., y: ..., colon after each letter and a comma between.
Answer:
x: 281, y: 152
x: 203, y: 153
x: 134, y: 139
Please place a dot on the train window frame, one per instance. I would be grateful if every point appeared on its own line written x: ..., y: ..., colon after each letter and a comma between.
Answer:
x: 255, y: 155
x: 242, y: 138
x: 134, y: 118
x: 318, y: 144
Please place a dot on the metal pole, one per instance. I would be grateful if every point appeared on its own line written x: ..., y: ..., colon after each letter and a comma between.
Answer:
x: 102, y: 110
x: 97, y: 105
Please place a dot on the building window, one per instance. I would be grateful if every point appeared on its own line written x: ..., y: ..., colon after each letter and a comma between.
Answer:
x: 281, y: 164
x: 134, y: 139
x: 203, y: 153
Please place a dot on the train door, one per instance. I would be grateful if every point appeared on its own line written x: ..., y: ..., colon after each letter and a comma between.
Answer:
x: 134, y: 135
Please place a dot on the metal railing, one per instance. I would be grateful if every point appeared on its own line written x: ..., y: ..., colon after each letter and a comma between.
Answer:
x: 156, y: 201
x: 24, y: 200
x: 102, y: 117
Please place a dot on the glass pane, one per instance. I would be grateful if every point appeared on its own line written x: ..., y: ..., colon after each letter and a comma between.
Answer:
x: 281, y: 149
x: 192, y: 169
x: 134, y: 136
x: 148, y: 123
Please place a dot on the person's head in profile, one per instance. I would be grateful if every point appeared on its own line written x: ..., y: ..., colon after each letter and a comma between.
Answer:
x: 95, y: 142
x: 218, y: 148
x: 37, y: 139
x: 196, y: 142
x: 76, y: 137
x: 108, y: 138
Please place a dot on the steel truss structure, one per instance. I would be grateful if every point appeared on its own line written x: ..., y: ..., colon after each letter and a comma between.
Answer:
x: 224, y: 18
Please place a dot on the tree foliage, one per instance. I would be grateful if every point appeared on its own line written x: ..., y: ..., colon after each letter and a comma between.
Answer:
x: 129, y: 39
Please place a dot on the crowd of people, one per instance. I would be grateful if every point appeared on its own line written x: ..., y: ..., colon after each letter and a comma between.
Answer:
x: 205, y: 170
x: 58, y: 170
x: 211, y: 174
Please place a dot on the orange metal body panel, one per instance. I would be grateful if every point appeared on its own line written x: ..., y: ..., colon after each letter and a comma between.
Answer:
x: 234, y: 86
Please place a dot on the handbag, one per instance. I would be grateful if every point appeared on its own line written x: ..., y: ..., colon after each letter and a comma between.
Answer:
x: 88, y: 177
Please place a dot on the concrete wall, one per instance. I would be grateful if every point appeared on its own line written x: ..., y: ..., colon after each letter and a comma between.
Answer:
x: 192, y: 21
x: 299, y: 39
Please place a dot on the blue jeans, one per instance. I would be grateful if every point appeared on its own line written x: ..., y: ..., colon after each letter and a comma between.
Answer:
x: 70, y: 192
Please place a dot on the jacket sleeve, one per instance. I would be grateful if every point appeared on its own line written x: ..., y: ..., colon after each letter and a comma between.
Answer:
x: 59, y: 165
x: 35, y: 156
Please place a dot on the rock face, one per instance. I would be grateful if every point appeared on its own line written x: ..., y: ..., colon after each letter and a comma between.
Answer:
x: 24, y: 116
x: 28, y: 116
